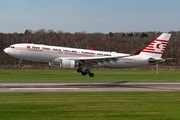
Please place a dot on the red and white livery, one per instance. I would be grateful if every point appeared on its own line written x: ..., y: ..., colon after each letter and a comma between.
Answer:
x: 157, y: 47
x: 85, y: 59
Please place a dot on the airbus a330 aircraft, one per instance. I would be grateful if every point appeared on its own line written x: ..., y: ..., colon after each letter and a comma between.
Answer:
x: 85, y: 59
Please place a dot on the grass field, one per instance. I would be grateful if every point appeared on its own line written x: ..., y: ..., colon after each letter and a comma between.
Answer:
x: 87, y: 105
x: 70, y: 75
x: 90, y: 106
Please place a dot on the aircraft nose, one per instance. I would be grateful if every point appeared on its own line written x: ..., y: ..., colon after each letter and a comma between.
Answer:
x: 5, y: 50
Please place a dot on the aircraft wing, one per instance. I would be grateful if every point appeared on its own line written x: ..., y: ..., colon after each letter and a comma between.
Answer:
x: 100, y: 59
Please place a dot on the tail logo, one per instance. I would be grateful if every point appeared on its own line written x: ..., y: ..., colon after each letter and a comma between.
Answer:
x: 158, y: 46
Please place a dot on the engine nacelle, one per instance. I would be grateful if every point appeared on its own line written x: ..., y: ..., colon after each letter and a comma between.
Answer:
x: 65, y: 63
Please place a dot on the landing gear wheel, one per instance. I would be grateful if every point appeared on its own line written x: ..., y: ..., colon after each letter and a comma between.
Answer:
x: 21, y: 64
x: 79, y: 70
x: 83, y: 73
x: 87, y: 71
x: 91, y: 74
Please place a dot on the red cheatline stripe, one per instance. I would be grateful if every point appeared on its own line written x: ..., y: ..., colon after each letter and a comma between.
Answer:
x: 152, y: 52
x: 162, y: 40
x: 165, y: 42
x: 153, y: 48
x: 149, y: 49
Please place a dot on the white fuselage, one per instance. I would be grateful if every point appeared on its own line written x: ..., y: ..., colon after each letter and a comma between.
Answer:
x: 46, y: 53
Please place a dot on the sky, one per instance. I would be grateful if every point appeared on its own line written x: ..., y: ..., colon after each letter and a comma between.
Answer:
x: 89, y: 16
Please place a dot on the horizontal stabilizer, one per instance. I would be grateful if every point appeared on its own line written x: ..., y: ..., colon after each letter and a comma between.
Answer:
x: 159, y: 60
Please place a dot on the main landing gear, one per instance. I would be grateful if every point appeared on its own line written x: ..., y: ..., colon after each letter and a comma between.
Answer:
x: 86, y: 71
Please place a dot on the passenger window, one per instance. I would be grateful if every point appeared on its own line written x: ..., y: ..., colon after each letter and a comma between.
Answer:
x: 12, y: 47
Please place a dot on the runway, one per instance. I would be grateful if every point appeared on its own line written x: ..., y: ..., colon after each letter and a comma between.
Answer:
x: 90, y: 87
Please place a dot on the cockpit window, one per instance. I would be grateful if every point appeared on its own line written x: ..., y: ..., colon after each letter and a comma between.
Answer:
x: 12, y: 47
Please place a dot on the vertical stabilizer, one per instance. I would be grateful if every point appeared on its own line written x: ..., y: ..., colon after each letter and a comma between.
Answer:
x: 157, y: 47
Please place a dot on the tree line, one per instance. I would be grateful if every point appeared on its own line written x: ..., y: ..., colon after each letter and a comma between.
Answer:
x: 118, y: 42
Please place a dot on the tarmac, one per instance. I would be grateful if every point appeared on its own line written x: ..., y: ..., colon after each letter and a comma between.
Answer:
x: 91, y: 87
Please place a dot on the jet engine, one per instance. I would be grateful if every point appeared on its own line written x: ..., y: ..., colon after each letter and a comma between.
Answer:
x: 66, y: 63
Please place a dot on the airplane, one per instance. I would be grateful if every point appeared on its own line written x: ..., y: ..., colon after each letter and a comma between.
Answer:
x: 85, y: 59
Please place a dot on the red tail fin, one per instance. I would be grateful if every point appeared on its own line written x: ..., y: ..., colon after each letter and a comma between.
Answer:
x: 157, y: 47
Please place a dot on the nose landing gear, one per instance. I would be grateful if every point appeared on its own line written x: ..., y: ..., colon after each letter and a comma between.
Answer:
x: 21, y: 63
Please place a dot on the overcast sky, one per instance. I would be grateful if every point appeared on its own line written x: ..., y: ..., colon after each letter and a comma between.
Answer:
x: 90, y: 15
